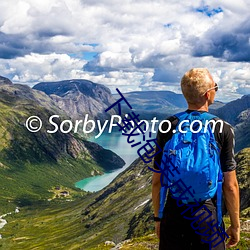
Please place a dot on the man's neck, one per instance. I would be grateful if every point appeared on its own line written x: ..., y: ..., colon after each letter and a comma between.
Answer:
x: 198, y: 107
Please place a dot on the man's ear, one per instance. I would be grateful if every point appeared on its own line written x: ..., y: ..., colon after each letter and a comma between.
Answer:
x: 207, y: 95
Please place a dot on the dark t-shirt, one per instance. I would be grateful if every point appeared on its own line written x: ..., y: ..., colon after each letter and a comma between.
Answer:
x: 225, y: 141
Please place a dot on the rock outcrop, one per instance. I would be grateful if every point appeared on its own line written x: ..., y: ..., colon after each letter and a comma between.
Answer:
x: 4, y: 80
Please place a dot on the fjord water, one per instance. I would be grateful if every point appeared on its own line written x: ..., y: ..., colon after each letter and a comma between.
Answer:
x: 116, y: 142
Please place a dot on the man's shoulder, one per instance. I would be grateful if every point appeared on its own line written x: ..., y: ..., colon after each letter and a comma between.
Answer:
x: 227, y: 127
x: 172, y: 119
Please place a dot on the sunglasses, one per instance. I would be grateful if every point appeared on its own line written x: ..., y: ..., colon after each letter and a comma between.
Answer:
x: 216, y: 87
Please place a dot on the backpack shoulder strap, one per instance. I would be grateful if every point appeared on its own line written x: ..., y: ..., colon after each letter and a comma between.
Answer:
x: 182, y: 115
x: 208, y: 116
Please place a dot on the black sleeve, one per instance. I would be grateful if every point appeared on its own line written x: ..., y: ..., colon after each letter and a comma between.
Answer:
x: 226, y: 142
x: 162, y: 138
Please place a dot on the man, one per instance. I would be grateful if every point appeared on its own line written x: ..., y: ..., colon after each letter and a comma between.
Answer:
x: 173, y: 230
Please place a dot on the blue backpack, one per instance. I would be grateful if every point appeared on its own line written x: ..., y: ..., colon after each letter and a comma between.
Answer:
x: 192, y: 156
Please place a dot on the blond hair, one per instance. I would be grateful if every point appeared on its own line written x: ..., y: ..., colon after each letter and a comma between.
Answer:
x: 195, y: 83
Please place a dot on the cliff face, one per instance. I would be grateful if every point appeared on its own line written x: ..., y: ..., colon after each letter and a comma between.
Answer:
x: 79, y: 97
x: 242, y: 130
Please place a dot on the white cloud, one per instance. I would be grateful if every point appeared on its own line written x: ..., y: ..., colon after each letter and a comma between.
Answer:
x: 141, y: 45
x: 34, y: 68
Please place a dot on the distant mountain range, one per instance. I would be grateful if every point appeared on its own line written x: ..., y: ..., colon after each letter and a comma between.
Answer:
x: 232, y: 110
x: 159, y: 104
x: 80, y: 97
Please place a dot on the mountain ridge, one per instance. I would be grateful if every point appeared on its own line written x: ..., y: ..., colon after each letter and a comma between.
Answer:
x: 230, y: 111
x: 79, y: 97
x: 4, y: 80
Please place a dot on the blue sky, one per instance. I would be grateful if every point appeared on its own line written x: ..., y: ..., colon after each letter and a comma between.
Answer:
x: 132, y: 45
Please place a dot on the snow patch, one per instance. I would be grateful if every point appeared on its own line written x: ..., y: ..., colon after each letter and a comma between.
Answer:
x: 143, y: 186
x: 2, y: 223
x: 142, y: 204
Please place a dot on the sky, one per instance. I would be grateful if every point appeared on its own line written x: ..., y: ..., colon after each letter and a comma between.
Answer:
x: 133, y: 45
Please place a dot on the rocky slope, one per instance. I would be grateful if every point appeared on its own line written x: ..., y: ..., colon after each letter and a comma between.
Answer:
x: 4, y: 80
x: 237, y: 114
x: 242, y: 130
x: 231, y: 111
x: 79, y: 97
x: 31, y: 163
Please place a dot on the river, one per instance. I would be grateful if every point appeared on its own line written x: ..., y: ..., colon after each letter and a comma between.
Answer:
x: 116, y: 142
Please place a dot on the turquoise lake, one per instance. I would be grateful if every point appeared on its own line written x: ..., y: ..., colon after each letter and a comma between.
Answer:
x: 116, y: 142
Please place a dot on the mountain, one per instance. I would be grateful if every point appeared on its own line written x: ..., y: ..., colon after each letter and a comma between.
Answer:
x: 31, y: 164
x: 232, y: 110
x: 237, y: 113
x: 121, y: 211
x: 126, y: 205
x: 242, y: 130
x: 38, y: 166
x: 216, y: 105
x: 79, y: 97
x: 159, y: 104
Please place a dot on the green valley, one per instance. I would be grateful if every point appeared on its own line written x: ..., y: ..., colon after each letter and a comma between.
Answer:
x: 32, y: 163
x: 121, y: 213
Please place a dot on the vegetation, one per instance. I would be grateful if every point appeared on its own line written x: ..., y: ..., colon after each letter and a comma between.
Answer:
x: 32, y: 163
x: 116, y: 213
x: 57, y: 225
x: 243, y: 175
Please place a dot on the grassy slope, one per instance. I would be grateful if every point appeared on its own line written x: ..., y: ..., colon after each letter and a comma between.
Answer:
x: 48, y: 226
x: 243, y: 176
x: 61, y: 225
x: 28, y: 168
x: 106, y: 215
x: 58, y: 226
